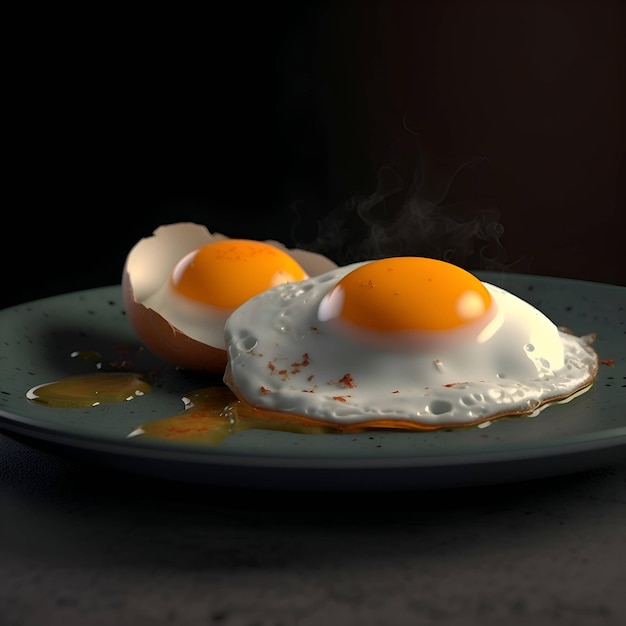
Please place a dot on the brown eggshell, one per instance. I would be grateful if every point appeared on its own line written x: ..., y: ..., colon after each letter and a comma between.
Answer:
x: 150, y: 262
x: 166, y: 341
x: 313, y: 263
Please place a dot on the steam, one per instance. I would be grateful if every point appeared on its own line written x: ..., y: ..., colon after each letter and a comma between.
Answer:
x: 411, y: 214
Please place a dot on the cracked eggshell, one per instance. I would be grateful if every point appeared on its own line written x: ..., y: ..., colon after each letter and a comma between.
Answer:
x: 149, y: 264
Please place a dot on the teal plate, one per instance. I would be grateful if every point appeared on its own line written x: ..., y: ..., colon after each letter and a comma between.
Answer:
x: 39, y: 337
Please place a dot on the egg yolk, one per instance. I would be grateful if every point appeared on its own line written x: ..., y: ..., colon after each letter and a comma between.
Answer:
x: 408, y: 294
x: 228, y: 272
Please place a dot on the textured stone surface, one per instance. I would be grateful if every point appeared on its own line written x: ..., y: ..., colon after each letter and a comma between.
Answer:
x: 80, y: 545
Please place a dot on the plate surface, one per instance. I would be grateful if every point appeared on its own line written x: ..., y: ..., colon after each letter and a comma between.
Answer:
x: 39, y: 337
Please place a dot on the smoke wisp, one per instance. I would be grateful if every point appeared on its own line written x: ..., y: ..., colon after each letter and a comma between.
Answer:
x: 413, y: 214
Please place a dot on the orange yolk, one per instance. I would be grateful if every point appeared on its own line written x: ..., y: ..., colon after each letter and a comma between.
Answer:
x: 411, y: 294
x: 228, y: 272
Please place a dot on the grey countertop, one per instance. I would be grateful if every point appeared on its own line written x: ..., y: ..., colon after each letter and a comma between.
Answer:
x: 84, y: 545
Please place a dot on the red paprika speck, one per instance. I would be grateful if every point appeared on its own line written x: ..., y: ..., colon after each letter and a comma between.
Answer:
x: 347, y: 381
x: 305, y: 361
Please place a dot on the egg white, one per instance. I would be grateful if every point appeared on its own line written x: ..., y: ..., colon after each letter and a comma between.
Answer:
x: 282, y: 357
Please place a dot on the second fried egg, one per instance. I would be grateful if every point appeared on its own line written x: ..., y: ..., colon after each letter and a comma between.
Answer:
x: 402, y: 342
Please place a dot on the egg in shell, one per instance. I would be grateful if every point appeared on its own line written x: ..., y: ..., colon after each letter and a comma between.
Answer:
x: 180, y: 284
x: 401, y: 342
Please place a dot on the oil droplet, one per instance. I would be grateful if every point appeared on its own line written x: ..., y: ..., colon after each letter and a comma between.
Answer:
x: 85, y: 390
x: 213, y: 413
x: 87, y: 355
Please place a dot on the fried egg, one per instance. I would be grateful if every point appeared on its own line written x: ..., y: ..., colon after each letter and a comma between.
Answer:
x: 180, y: 285
x: 401, y: 342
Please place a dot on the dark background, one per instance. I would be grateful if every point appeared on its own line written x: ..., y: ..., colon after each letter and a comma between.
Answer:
x: 489, y: 133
